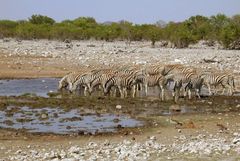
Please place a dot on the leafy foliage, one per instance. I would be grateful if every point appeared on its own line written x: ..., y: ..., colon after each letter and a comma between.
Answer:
x: 215, y: 28
x: 39, y: 19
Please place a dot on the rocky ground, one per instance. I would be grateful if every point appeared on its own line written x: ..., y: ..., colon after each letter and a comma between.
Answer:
x: 210, y: 137
x: 93, y: 53
x: 203, y: 142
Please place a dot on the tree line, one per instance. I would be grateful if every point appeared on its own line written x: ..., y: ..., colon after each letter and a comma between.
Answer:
x: 225, y: 30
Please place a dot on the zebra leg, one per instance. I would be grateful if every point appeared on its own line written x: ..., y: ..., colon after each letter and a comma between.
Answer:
x: 114, y: 92
x: 174, y: 91
x: 209, y: 90
x: 146, y: 89
x: 134, y: 90
x: 230, y: 90
x: 88, y: 89
x: 125, y: 92
x: 189, y: 93
x: 162, y: 93
x: 185, y: 90
x: 177, y: 95
x: 223, y: 89
x: 215, y: 92
x: 85, y: 90
x: 121, y: 93
x: 197, y: 91
x: 140, y: 86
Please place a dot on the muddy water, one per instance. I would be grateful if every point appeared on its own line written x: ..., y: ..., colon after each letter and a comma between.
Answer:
x: 16, y: 87
x: 42, y: 86
x: 56, y: 120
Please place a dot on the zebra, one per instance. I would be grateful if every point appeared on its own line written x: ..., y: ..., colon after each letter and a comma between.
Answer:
x: 125, y: 81
x: 166, y: 69
x: 100, y: 80
x: 67, y: 81
x: 156, y: 80
x: 85, y: 80
x: 226, y: 80
x: 196, y: 83
x: 173, y: 68
x: 190, y: 79
x: 154, y: 69
x: 101, y: 77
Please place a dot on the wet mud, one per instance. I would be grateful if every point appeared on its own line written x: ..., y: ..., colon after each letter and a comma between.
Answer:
x: 35, y: 106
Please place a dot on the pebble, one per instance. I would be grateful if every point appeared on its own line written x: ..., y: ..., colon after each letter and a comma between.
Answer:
x: 154, y: 138
x: 119, y: 107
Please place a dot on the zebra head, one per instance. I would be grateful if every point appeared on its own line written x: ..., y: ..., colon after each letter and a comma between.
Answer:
x: 107, y: 86
x: 62, y: 84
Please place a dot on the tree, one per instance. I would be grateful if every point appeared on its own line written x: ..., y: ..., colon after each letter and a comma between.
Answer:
x: 152, y: 33
x: 7, y: 28
x: 199, y: 27
x: 179, y: 34
x: 230, y: 33
x: 39, y: 19
x: 161, y: 23
x: 85, y: 22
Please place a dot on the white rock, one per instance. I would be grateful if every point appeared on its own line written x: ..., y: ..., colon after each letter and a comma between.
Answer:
x: 119, y: 107
x: 153, y: 138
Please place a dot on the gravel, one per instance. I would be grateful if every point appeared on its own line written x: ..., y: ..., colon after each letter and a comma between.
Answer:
x: 200, y: 146
x: 106, y: 53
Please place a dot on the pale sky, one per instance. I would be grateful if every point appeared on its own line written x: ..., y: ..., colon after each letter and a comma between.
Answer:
x: 136, y: 11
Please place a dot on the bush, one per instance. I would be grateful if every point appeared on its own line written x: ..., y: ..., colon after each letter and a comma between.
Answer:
x: 216, y: 28
x: 7, y: 28
x: 39, y: 19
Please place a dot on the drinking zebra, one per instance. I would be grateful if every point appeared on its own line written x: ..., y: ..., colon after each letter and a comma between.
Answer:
x: 125, y: 81
x: 67, y: 81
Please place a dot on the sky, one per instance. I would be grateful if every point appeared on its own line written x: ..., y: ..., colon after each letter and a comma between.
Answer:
x: 136, y: 11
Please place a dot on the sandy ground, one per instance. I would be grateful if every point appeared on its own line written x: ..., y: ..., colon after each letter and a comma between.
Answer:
x: 17, y: 61
x: 33, y: 67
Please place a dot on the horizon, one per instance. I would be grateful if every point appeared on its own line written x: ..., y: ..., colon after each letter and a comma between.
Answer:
x: 138, y: 12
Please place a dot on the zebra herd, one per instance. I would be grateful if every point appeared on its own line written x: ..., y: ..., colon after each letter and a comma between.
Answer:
x: 137, y: 78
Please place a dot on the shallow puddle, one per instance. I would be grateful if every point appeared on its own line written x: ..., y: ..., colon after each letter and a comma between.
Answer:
x: 56, y: 120
x: 39, y: 86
